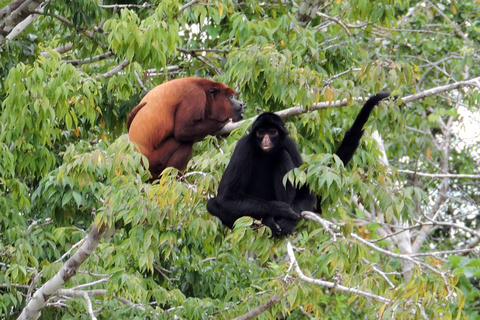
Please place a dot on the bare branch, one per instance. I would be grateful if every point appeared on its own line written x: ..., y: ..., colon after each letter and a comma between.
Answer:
x: 441, y: 175
x: 117, y: 69
x: 121, y: 6
x: 297, y: 110
x: 434, y: 91
x: 307, y: 11
x: 442, y: 253
x: 184, y: 7
x: 61, y: 50
x: 331, y: 285
x: 99, y: 57
x: 14, y: 13
x: 397, y: 255
x: 33, y: 309
x: 260, y: 309
x: 457, y: 29
x: 327, y: 17
x: 140, y: 82
x: 325, y: 223
x: 444, y: 185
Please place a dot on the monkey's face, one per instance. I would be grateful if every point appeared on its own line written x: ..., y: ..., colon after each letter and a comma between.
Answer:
x: 267, y: 138
x: 237, y: 107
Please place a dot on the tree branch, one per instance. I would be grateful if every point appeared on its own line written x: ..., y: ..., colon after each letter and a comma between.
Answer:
x: 14, y: 13
x: 117, y: 69
x: 444, y: 186
x: 441, y: 175
x: 297, y: 110
x: 306, y: 11
x: 260, y: 309
x: 33, y: 309
x: 331, y: 285
x: 434, y: 91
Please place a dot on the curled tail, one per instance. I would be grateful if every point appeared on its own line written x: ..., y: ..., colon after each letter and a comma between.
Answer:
x: 353, y: 135
x: 133, y: 113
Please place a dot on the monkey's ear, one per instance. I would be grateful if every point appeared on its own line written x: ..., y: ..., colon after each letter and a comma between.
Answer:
x: 213, y: 91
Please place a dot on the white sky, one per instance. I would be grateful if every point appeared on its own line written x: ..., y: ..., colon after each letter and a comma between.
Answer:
x: 470, y: 131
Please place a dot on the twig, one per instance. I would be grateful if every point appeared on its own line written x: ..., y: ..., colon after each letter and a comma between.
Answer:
x: 99, y: 57
x: 325, y: 223
x: 331, y: 285
x: 458, y: 31
x: 80, y: 286
x: 71, y: 249
x: 121, y: 6
x: 305, y: 313
x: 184, y: 7
x: 327, y: 17
x: 445, y: 252
x: 397, y: 255
x: 377, y: 270
x: 140, y: 82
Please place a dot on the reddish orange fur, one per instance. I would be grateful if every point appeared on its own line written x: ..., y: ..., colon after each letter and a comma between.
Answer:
x: 133, y: 113
x: 174, y: 115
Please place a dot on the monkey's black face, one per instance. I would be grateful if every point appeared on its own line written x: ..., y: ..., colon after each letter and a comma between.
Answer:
x: 237, y: 107
x: 267, y: 138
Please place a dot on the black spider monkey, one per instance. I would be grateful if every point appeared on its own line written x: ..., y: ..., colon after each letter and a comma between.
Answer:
x: 252, y: 184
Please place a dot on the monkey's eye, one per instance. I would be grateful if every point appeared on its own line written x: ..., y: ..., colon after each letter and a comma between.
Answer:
x: 272, y: 132
x: 261, y: 132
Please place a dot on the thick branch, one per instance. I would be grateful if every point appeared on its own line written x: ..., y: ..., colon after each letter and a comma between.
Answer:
x: 33, y: 309
x: 15, y: 13
x: 260, y: 309
x: 297, y: 110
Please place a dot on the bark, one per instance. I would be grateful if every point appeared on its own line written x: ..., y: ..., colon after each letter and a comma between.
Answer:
x: 14, y: 13
x: 297, y: 110
x: 307, y: 11
x: 442, y: 192
x: 331, y: 285
x: 260, y: 309
x: 34, y: 308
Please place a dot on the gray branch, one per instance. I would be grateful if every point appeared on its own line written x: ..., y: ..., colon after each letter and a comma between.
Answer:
x: 14, y: 13
x: 34, y: 308
x: 307, y: 11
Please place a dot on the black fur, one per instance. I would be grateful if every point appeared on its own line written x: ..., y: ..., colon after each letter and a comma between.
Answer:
x: 252, y: 184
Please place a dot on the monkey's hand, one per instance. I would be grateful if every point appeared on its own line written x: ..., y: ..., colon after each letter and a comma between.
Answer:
x: 283, y: 210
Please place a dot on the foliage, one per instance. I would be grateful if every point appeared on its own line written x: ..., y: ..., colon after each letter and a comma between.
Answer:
x: 403, y: 233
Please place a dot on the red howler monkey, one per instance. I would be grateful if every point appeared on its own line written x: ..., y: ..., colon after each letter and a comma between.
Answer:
x: 175, y: 114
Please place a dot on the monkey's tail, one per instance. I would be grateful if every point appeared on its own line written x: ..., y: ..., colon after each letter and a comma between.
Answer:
x: 133, y: 113
x: 367, y: 109
x: 353, y: 135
